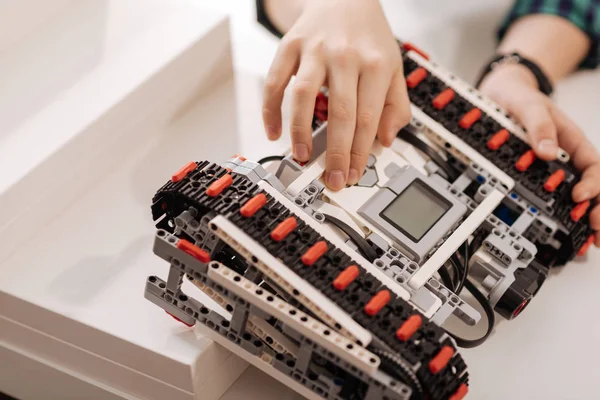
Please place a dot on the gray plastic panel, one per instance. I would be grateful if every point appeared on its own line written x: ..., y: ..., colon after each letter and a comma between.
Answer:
x: 373, y: 208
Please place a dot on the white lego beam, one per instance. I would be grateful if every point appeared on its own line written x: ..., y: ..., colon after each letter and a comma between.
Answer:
x: 256, y: 325
x: 284, y: 277
x: 307, y: 326
x: 310, y: 174
x: 458, y: 237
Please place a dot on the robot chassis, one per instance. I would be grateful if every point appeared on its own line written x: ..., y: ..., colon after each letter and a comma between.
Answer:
x: 342, y: 295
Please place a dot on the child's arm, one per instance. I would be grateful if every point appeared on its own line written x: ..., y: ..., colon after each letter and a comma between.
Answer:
x: 559, y: 37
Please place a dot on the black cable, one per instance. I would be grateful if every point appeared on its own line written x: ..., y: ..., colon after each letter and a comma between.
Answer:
x: 431, y: 153
x: 363, y: 246
x: 465, y: 271
x: 489, y: 312
x: 445, y: 276
x: 468, y: 250
x: 459, y: 271
x: 477, y: 241
x: 270, y: 158
x: 467, y: 284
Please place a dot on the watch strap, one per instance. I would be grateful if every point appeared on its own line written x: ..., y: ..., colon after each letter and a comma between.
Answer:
x: 263, y: 18
x: 544, y: 84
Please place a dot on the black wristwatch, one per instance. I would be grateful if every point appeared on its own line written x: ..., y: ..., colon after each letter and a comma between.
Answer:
x: 543, y: 82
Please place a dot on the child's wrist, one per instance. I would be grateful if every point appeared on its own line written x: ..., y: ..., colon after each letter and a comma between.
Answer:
x: 510, y: 73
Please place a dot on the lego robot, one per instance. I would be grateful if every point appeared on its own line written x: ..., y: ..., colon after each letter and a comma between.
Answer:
x: 342, y: 295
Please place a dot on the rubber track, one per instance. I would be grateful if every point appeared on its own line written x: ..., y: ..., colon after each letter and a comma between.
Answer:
x: 174, y: 198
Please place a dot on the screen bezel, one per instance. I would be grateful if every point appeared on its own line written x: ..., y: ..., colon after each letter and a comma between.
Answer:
x: 433, y: 193
x: 386, y: 194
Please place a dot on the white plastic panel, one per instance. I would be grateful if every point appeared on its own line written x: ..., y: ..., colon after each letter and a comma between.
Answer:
x: 299, y: 321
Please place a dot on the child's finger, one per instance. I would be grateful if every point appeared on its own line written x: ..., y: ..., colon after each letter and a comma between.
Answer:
x: 372, y: 88
x: 310, y: 77
x: 396, y: 111
x: 341, y: 122
x: 283, y: 67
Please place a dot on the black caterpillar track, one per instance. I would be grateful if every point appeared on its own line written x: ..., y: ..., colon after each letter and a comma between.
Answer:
x: 423, y: 346
x: 505, y: 158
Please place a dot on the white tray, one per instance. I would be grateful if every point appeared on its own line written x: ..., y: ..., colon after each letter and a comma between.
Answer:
x: 79, y: 280
x: 76, y: 185
x: 78, y: 93
x: 21, y: 19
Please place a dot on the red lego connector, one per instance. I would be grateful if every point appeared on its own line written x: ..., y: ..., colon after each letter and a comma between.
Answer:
x: 217, y: 187
x: 443, y: 99
x: 554, y: 181
x: 460, y: 393
x: 313, y: 254
x: 193, y: 251
x: 346, y: 277
x: 579, y: 210
x: 586, y: 246
x: 406, y: 47
x: 520, y: 308
x: 321, y: 106
x: 442, y: 359
x: 470, y: 118
x: 498, y: 139
x: 416, y: 77
x: 252, y: 206
x: 377, y: 302
x: 182, y: 173
x: 283, y: 229
x: 409, y: 327
x: 525, y: 161
x: 177, y: 319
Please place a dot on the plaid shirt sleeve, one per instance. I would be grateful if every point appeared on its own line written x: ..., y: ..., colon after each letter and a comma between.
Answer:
x: 585, y: 14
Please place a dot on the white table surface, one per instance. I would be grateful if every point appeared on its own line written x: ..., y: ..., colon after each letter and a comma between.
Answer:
x: 550, y: 352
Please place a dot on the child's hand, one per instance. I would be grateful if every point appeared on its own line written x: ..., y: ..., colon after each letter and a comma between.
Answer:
x: 515, y: 89
x: 348, y: 46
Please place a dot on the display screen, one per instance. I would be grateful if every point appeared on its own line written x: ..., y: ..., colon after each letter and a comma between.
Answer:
x: 416, y: 210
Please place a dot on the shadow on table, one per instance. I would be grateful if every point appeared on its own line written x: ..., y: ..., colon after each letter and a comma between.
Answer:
x: 89, y: 277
